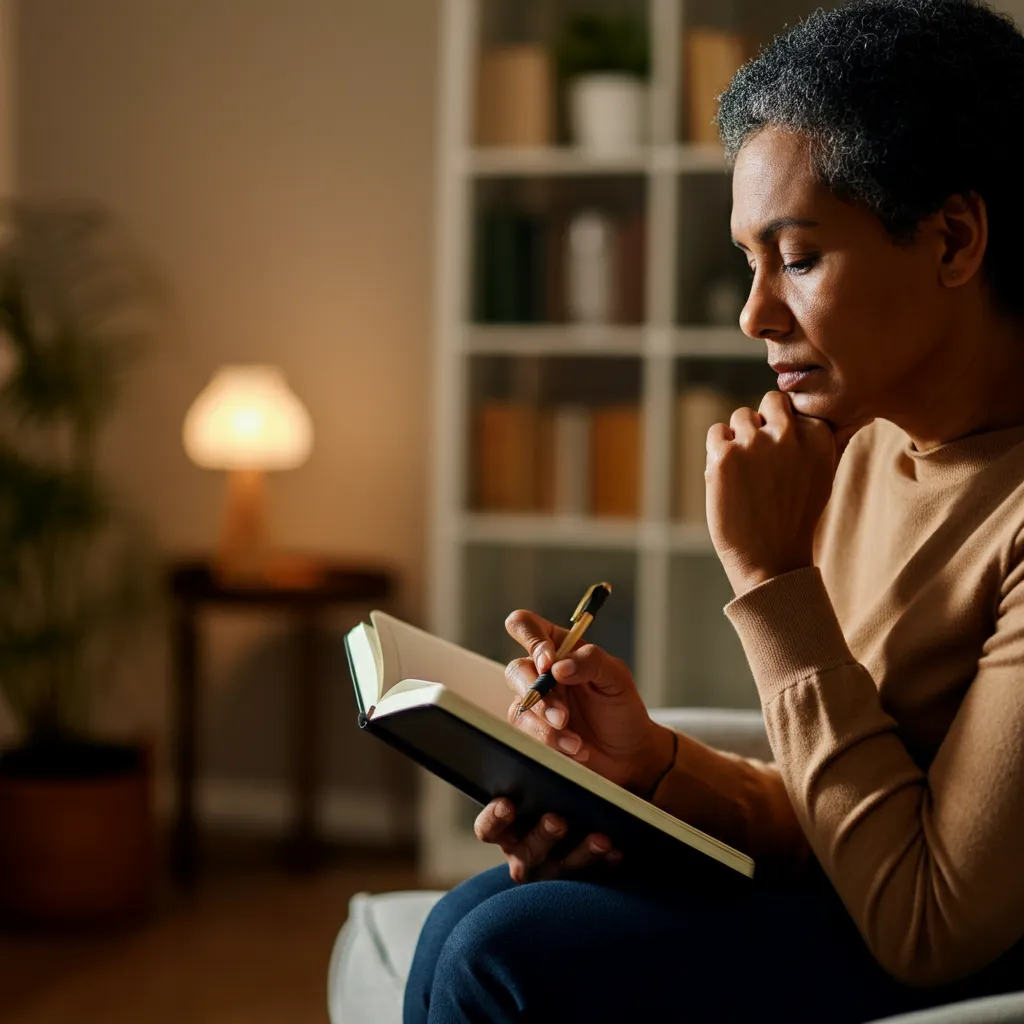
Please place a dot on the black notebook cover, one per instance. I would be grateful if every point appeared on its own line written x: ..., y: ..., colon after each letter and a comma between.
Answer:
x: 483, y: 768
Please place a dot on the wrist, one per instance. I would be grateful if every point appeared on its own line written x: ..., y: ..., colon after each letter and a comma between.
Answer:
x: 654, y: 760
x: 746, y: 580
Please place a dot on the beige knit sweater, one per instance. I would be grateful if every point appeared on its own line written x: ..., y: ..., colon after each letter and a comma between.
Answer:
x: 892, y: 681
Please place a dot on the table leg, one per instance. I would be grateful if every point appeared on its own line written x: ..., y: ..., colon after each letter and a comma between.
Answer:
x: 186, y: 682
x: 305, y: 737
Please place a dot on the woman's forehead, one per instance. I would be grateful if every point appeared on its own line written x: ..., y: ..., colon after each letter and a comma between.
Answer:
x: 773, y: 181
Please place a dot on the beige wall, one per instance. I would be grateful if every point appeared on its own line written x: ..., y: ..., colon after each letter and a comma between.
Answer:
x: 274, y: 161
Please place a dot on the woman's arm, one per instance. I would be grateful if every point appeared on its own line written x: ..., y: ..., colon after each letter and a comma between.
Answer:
x: 927, y: 863
x: 739, y: 800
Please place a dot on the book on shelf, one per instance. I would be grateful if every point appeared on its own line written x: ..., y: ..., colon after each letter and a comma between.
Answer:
x: 446, y: 708
x: 505, y: 457
x: 711, y: 56
x: 514, y: 96
x: 563, y: 460
x: 697, y: 410
x: 615, y: 458
x: 511, y: 267
x: 628, y: 299
x: 632, y: 267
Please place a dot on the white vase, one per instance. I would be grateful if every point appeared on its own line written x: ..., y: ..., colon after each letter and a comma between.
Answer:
x: 608, y: 112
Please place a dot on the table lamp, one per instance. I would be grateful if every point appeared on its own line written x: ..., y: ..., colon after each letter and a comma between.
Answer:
x: 247, y: 421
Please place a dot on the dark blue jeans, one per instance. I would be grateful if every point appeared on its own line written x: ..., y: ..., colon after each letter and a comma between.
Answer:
x: 633, y: 950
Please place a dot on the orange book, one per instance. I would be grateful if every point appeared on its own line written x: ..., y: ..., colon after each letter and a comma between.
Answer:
x: 515, y: 97
x: 505, y: 438
x: 711, y: 56
x: 615, y: 457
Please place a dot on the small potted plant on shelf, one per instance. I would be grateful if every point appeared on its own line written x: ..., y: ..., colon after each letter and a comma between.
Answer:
x: 603, y: 67
x: 76, y: 580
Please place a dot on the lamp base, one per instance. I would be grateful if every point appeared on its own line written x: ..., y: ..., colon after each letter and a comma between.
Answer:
x: 244, y: 550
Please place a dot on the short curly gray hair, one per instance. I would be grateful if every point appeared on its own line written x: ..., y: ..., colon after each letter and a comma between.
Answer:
x: 904, y: 103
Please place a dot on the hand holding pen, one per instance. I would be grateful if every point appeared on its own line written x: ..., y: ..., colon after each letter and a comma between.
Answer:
x: 582, y: 700
x: 594, y: 715
x: 590, y: 604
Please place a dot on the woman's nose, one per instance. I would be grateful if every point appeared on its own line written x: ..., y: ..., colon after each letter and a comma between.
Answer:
x: 765, y: 315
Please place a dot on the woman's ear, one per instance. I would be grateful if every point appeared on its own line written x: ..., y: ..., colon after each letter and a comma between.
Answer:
x: 963, y: 238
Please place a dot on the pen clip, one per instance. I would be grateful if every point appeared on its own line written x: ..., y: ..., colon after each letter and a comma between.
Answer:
x: 585, y: 600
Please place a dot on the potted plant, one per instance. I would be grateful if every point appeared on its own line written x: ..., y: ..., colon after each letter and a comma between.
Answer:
x: 76, y: 822
x: 603, y: 66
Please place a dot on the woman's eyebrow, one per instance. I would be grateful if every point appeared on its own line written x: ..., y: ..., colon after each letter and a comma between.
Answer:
x: 773, y: 227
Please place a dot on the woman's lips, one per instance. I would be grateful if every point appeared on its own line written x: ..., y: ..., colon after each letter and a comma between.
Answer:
x: 791, y: 380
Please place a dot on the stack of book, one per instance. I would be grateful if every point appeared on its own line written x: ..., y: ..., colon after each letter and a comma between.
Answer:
x: 568, y: 459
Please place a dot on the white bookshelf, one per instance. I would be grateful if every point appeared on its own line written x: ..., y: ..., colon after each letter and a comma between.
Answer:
x: 673, y: 575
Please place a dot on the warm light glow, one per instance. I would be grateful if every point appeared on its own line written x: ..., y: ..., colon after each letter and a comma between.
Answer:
x: 248, y: 418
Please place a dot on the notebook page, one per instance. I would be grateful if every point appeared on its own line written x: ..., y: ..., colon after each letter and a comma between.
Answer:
x: 411, y: 653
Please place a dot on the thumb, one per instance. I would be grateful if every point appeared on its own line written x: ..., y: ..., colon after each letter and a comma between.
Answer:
x: 536, y: 635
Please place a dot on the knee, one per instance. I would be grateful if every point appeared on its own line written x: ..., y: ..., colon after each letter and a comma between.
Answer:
x: 445, y: 916
x: 485, y: 963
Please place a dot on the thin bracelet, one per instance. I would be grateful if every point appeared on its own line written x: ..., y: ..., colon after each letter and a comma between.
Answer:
x: 661, y: 778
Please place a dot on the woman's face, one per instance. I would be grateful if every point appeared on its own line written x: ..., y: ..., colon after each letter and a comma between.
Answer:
x: 832, y: 290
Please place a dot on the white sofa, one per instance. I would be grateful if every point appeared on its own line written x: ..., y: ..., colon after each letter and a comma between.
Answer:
x: 374, y: 949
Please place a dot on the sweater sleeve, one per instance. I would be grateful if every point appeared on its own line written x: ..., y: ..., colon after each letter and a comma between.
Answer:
x: 926, y: 862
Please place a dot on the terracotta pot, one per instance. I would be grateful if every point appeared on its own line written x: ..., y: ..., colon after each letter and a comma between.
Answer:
x: 76, y: 851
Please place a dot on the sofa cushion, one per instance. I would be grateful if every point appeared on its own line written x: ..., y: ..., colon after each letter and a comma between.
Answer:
x: 372, y: 956
x: 738, y: 731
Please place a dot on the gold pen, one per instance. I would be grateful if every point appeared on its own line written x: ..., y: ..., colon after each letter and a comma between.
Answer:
x: 588, y: 607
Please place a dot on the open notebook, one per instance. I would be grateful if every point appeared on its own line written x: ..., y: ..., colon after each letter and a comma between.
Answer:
x: 445, y: 707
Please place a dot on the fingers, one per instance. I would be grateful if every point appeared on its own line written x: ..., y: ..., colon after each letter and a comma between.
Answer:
x: 520, y: 676
x: 533, y: 851
x: 532, y: 858
x: 779, y: 415
x: 534, y: 848
x: 745, y: 423
x: 568, y: 742
x: 594, y: 849
x: 537, y: 636
x: 492, y: 823
x: 718, y: 440
x: 591, y: 664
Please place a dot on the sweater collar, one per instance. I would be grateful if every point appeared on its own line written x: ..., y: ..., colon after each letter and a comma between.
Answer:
x: 957, y: 460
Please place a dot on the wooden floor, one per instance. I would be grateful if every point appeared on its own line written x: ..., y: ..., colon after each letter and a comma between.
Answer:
x: 250, y: 947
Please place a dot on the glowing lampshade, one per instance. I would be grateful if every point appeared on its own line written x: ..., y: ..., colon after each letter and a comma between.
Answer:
x: 248, y: 418
x: 247, y: 421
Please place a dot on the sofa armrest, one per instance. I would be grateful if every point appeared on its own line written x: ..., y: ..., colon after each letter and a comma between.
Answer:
x: 732, y: 729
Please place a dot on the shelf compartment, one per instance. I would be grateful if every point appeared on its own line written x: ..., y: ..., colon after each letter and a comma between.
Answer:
x: 555, y: 435
x: 518, y: 82
x: 706, y: 663
x: 712, y: 278
x: 521, y: 271
x: 500, y: 579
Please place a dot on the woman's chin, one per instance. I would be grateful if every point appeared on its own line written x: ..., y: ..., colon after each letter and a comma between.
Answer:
x: 814, y: 403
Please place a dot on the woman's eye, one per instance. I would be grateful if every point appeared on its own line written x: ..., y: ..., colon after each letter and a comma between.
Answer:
x: 799, y: 266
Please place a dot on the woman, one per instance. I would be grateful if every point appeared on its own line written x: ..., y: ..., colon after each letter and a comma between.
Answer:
x: 875, y: 199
